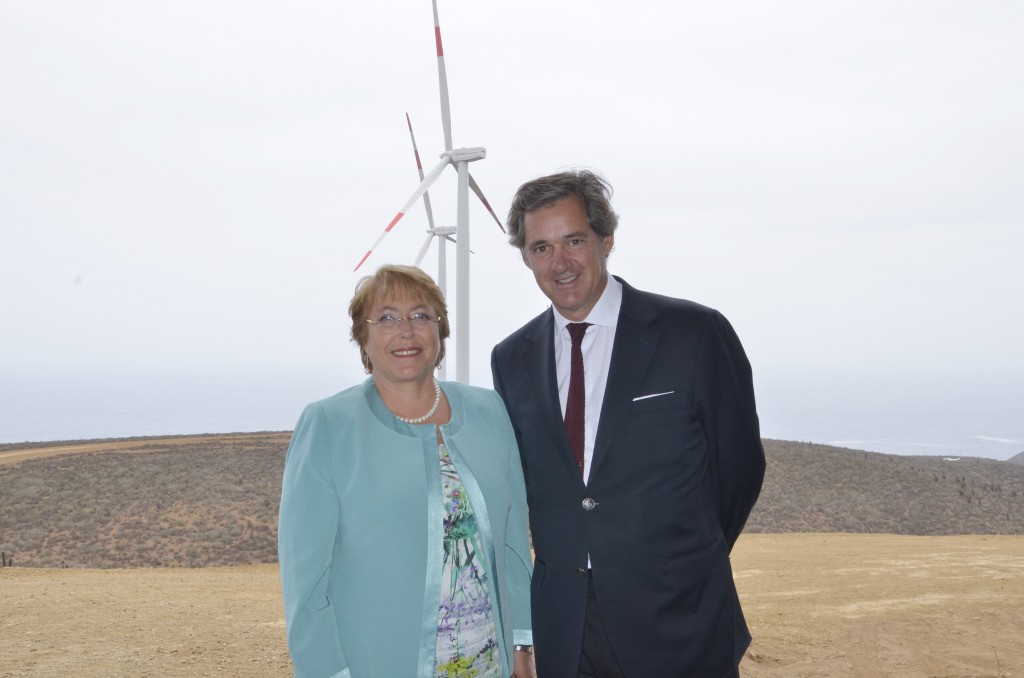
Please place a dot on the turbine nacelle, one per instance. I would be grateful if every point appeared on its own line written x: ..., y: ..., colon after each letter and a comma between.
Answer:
x: 466, y: 154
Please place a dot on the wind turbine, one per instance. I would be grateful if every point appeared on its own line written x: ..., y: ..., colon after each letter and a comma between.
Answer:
x: 459, y: 158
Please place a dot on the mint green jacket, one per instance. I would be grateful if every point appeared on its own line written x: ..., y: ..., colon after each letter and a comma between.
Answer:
x: 360, y: 532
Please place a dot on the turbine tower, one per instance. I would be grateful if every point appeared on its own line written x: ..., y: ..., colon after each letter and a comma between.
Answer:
x: 459, y: 158
x: 442, y: 234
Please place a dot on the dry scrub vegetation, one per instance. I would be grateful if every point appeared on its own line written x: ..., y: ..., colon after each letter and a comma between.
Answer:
x: 197, y: 501
x: 188, y: 501
x: 817, y: 488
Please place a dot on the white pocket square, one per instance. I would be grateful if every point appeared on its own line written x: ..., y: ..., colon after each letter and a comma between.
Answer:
x: 652, y: 395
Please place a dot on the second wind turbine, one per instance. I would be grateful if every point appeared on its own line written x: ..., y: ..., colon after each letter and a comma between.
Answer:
x: 459, y: 158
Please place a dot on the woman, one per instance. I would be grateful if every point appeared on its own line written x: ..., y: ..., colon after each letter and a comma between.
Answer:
x: 402, y: 534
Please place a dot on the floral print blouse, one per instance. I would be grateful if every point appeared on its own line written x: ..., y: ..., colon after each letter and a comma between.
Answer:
x: 467, y: 645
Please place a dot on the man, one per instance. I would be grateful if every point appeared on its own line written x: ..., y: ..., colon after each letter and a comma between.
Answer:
x: 632, y: 531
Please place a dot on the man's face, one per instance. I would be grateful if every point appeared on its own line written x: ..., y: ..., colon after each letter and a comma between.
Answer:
x: 568, y: 259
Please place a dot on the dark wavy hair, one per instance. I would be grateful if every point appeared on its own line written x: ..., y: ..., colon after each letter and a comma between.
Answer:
x: 591, y: 189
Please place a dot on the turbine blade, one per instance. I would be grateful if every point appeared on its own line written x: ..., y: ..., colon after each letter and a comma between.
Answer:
x: 480, y: 194
x: 423, y: 250
x: 420, y: 190
x: 419, y: 167
x: 442, y: 80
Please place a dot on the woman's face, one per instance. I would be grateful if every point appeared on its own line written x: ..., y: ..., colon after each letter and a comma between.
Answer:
x: 407, y: 352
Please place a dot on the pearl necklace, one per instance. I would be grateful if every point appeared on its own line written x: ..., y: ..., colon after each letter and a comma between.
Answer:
x: 428, y: 415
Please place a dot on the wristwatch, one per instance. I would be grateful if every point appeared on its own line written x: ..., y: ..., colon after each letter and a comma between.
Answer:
x: 528, y: 649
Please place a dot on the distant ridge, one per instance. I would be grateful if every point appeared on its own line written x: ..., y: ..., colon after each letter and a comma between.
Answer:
x: 1017, y: 459
x: 818, y: 488
x: 212, y: 500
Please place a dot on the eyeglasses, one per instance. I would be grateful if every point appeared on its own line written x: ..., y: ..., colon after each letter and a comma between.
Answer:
x: 390, y: 322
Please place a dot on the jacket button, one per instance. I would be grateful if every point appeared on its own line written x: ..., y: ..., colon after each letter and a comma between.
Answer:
x: 589, y: 504
x: 581, y: 572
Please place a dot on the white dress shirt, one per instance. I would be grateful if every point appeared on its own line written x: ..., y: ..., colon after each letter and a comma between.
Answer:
x: 597, y: 359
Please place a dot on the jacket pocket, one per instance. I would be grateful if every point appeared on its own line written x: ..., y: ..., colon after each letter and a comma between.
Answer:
x: 656, y: 401
x: 689, y: 568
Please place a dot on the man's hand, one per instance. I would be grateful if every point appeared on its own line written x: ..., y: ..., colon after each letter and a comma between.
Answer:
x: 523, y: 666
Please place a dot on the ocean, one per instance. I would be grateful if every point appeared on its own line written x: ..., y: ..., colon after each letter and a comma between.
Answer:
x: 971, y: 416
x: 968, y: 415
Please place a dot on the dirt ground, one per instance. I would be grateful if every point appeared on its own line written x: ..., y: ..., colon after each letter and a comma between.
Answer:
x: 882, y: 605
x: 818, y: 605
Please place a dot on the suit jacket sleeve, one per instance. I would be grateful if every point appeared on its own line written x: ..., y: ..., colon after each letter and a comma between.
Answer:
x: 499, y: 386
x: 725, y: 402
x: 307, y: 532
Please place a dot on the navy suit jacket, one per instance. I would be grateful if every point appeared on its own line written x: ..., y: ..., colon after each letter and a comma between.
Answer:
x: 677, y: 467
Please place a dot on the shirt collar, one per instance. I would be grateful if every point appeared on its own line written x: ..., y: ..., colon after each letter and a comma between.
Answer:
x: 605, y: 312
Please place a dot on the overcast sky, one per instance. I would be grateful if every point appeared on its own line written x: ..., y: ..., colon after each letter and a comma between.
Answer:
x: 188, y: 185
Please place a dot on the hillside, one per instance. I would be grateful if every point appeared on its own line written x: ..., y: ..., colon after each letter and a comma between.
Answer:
x: 212, y: 500
x: 189, y: 501
x: 817, y: 488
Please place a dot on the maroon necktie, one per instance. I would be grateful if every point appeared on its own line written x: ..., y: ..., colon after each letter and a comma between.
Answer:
x: 575, y: 404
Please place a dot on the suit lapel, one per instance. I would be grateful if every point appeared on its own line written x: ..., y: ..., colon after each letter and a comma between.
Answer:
x: 634, y: 347
x: 538, y: 359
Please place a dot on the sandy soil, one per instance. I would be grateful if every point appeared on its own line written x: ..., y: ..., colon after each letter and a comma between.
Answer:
x: 818, y: 605
x: 145, y: 622
x: 882, y: 605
